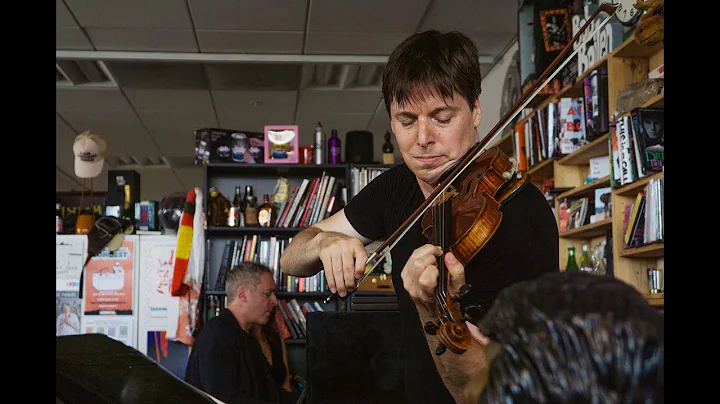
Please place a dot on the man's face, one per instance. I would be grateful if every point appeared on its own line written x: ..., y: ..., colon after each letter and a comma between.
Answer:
x: 433, y: 133
x: 262, y: 300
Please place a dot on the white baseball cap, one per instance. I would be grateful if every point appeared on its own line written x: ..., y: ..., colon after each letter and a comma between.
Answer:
x: 90, y: 151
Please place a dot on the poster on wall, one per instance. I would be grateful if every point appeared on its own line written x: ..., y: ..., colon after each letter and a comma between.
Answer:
x: 110, y: 293
x: 109, y: 281
x: 119, y: 328
x: 69, y: 257
x: 157, y: 309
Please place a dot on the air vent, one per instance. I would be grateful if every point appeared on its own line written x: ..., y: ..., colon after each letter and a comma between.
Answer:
x: 341, y: 76
x: 126, y: 162
x: 82, y: 73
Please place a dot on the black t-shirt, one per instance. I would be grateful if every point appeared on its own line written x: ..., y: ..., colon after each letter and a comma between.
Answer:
x: 524, y: 247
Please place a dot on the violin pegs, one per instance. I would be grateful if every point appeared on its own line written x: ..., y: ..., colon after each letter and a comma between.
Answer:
x: 440, y: 350
x: 431, y: 328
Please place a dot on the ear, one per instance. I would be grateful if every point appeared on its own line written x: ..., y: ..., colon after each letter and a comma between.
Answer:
x: 477, y: 113
x: 241, y: 293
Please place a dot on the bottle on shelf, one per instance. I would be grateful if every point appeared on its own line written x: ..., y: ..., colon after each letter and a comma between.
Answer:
x: 58, y: 218
x: 572, y: 265
x: 333, y: 148
x: 586, y: 261
x: 235, y: 215
x: 250, y: 207
x: 319, y: 144
x: 387, y: 150
x: 128, y: 210
x: 267, y: 212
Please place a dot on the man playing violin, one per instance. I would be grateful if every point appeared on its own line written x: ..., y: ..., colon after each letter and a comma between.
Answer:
x: 431, y: 87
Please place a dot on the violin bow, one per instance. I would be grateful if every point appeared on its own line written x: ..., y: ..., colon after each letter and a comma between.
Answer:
x: 550, y: 72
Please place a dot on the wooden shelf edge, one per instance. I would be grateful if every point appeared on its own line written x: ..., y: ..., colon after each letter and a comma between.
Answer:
x: 584, y: 188
x: 539, y: 166
x: 655, y: 299
x: 635, y: 187
x: 598, y: 147
x: 646, y: 251
x: 588, y: 230
x: 632, y: 49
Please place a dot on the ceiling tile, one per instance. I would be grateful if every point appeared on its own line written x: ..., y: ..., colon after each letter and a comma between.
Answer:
x: 352, y: 43
x: 90, y: 99
x: 276, y: 15
x: 158, y: 75
x: 174, y: 134
x: 340, y: 102
x: 123, y: 132
x: 131, y: 14
x: 236, y: 112
x: 366, y: 16
x: 156, y: 183
x: 248, y: 77
x: 139, y: 39
x: 64, y: 137
x: 63, y: 182
x: 68, y: 38
x: 63, y: 18
x: 472, y: 17
x: 289, y: 42
x: 190, y: 177
x: 167, y: 99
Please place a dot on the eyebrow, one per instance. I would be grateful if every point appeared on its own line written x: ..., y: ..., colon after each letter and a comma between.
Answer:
x: 403, y: 114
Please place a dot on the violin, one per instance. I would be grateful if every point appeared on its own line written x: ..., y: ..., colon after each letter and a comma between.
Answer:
x: 465, y: 209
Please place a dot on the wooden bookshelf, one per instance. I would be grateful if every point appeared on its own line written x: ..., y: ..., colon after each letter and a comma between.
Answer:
x: 628, y: 63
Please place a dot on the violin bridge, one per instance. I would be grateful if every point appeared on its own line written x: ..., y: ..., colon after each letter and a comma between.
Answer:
x: 447, y: 194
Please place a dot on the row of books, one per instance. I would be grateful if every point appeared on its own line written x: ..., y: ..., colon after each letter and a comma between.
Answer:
x: 361, y: 176
x: 573, y: 212
x: 637, y: 145
x: 266, y: 250
x: 310, y: 202
x: 291, y: 321
x: 643, y: 218
x: 563, y: 126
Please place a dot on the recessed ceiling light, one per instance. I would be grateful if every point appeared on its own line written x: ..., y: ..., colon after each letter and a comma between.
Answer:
x: 256, y: 103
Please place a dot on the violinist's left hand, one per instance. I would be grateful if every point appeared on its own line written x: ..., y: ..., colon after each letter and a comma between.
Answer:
x: 420, y: 274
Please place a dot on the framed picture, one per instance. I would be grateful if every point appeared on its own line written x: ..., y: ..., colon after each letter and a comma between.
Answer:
x: 555, y: 28
x: 281, y: 144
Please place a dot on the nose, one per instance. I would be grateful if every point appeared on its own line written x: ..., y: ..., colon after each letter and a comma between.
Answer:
x: 273, y: 300
x: 424, y: 132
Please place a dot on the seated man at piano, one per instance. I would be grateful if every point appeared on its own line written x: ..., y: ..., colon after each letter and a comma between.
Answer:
x: 431, y: 85
x: 227, y: 361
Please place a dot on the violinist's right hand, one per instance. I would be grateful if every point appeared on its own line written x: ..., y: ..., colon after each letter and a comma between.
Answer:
x: 343, y: 258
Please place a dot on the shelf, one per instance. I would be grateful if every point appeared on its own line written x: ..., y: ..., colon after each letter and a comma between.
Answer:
x: 596, y: 148
x: 655, y: 250
x: 633, y: 188
x: 274, y: 169
x: 542, y: 169
x: 632, y: 49
x: 657, y: 101
x: 655, y: 299
x: 278, y: 294
x: 589, y: 230
x: 263, y: 231
x: 586, y: 189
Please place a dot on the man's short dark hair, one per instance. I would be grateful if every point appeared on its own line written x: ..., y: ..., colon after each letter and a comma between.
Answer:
x: 442, y: 62
x: 246, y: 273
x: 571, y: 337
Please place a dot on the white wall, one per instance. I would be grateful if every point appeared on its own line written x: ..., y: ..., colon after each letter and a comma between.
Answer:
x: 492, y: 87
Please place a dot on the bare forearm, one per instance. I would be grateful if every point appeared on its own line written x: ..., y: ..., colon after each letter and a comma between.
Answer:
x: 301, y: 256
x: 455, y: 370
